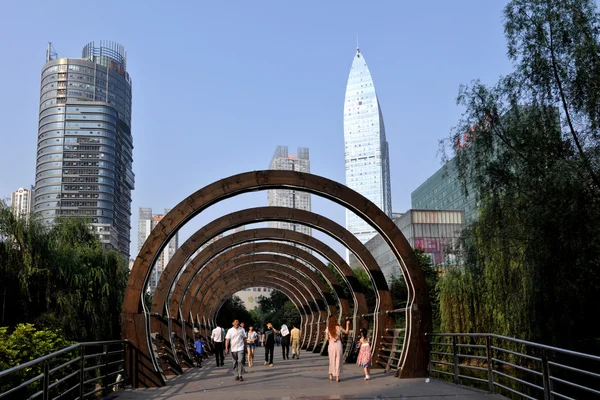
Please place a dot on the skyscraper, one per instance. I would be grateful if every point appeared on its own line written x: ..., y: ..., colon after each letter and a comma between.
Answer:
x: 20, y: 203
x: 366, y: 149
x: 146, y: 222
x: 84, y: 151
x: 282, y: 160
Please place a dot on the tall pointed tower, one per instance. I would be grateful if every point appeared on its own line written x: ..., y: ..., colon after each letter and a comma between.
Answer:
x: 366, y: 148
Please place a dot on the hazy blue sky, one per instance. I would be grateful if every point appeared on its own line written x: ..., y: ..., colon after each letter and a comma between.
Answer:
x: 218, y: 85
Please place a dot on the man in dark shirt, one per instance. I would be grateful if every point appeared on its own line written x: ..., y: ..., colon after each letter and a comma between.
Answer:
x: 268, y: 340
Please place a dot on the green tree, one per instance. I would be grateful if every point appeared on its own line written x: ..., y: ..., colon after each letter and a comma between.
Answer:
x: 23, y: 344
x: 60, y: 278
x: 531, y: 154
x: 233, y: 309
x: 278, y: 309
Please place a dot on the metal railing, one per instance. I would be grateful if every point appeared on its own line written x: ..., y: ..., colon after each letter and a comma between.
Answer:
x: 513, y: 367
x: 80, y: 371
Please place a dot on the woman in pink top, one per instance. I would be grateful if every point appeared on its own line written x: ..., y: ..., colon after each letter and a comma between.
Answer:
x: 336, y: 352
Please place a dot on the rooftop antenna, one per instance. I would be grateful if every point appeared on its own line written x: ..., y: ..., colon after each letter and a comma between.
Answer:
x: 357, y: 41
x: 50, y: 53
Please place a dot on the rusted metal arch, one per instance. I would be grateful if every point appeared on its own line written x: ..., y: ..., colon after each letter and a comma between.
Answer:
x: 243, y: 217
x: 381, y: 321
x: 414, y: 358
x: 277, y: 283
x: 271, y: 247
x: 245, y: 236
x: 312, y: 293
x: 216, y: 263
x: 282, y: 236
x: 306, y: 306
x: 208, y: 277
x: 302, y: 296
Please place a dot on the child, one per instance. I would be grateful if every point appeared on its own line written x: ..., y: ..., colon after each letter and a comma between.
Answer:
x: 364, y: 355
x: 199, y: 344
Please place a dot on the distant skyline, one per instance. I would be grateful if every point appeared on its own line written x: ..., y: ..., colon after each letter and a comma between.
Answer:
x: 217, y: 86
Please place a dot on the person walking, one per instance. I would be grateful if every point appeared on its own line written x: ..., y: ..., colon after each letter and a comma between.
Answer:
x: 295, y: 337
x: 285, y: 342
x: 217, y: 336
x: 364, y: 354
x: 251, y: 341
x: 243, y: 326
x: 236, y: 336
x: 336, y: 352
x: 199, y: 350
x: 268, y: 342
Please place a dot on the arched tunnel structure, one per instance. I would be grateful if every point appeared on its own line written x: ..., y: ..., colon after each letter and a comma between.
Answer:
x: 205, y: 271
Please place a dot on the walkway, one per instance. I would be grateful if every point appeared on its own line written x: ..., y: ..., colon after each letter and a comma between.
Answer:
x: 306, y: 378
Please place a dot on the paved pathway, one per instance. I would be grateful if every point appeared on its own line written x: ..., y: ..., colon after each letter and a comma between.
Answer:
x: 306, y: 378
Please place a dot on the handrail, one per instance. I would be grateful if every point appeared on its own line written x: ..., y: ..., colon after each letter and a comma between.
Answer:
x: 38, y: 360
x: 520, y: 341
x: 65, y: 376
x: 507, y: 370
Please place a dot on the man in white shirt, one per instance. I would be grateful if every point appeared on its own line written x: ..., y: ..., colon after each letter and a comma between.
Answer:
x: 236, y: 337
x: 217, y: 337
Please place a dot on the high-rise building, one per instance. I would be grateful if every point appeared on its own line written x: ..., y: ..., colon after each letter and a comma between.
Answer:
x: 146, y: 222
x: 443, y: 191
x: 20, y: 203
x: 282, y: 160
x: 366, y: 149
x: 84, y: 151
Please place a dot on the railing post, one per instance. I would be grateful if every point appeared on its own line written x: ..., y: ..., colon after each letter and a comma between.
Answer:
x: 105, y: 378
x: 45, y: 394
x: 455, y: 358
x: 82, y: 372
x: 430, y: 345
x: 490, y: 367
x: 546, y: 376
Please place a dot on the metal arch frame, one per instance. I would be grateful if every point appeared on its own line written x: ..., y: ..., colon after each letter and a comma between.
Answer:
x: 258, y: 259
x: 269, y: 282
x: 280, y: 250
x: 254, y: 241
x: 315, y: 300
x: 282, y: 237
x: 261, y: 247
x: 244, y: 217
x: 261, y: 214
x: 275, y: 244
x: 223, y: 257
x: 413, y: 361
x: 318, y: 307
x: 305, y: 306
x: 291, y: 292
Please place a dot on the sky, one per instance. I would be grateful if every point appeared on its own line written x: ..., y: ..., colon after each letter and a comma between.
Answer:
x: 218, y: 85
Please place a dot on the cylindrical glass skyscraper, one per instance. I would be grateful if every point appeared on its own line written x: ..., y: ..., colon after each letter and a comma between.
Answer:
x: 84, y: 151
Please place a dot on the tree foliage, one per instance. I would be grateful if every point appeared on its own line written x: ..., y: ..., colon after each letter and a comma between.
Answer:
x: 276, y: 308
x: 23, y: 344
x: 60, y: 278
x: 529, y: 149
x: 233, y: 309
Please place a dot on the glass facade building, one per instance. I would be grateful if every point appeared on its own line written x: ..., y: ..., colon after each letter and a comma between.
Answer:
x: 366, y: 148
x: 436, y: 233
x: 84, y: 150
x: 443, y: 191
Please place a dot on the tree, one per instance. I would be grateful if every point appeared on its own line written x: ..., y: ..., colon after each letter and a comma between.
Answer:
x: 278, y: 309
x: 60, y: 278
x: 233, y: 309
x: 529, y: 149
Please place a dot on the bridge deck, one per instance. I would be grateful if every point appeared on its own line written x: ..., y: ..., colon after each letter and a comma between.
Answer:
x: 306, y: 378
